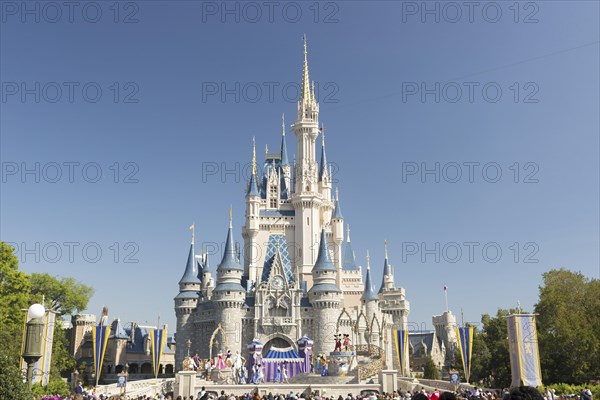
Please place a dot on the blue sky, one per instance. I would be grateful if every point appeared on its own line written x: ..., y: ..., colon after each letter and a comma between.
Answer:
x: 518, y: 95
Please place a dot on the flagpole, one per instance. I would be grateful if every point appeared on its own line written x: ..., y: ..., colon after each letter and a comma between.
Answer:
x: 446, y: 296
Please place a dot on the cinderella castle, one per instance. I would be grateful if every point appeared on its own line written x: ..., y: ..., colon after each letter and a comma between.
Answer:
x: 298, y: 276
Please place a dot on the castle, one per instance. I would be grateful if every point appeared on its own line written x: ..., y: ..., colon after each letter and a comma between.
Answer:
x: 299, y: 276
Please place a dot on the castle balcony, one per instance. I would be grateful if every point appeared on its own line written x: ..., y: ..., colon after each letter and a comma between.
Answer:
x: 278, y: 321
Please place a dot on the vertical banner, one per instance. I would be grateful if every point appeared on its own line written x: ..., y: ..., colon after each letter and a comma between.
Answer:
x: 523, y: 350
x: 47, y: 346
x: 158, y: 338
x: 100, y: 335
x: 401, y: 341
x: 465, y: 347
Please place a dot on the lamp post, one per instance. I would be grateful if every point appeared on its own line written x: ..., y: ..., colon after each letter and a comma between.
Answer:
x: 33, y: 339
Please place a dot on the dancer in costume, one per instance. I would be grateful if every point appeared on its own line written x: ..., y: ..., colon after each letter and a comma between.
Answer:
x: 284, y: 375
x: 228, y: 360
x: 338, y: 342
x: 220, y: 361
x: 346, y: 342
x: 278, y: 373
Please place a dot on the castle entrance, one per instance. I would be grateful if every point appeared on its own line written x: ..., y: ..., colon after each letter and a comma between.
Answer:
x: 277, y: 342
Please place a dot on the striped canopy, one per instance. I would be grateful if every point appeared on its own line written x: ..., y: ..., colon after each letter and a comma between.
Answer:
x: 277, y: 354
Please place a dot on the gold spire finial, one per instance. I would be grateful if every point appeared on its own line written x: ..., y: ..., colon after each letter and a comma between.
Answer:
x: 323, y: 135
x: 230, y: 216
x: 266, y: 150
x: 283, y: 124
x: 192, y: 229
x: 368, y: 260
x: 348, y: 233
x: 253, y: 156
x: 337, y: 194
x: 385, y: 248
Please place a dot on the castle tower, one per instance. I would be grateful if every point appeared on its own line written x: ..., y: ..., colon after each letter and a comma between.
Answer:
x: 370, y: 302
x: 185, y: 304
x: 445, y: 325
x: 306, y: 200
x: 325, y: 298
x: 392, y: 302
x: 82, y: 326
x: 285, y: 163
x: 229, y: 295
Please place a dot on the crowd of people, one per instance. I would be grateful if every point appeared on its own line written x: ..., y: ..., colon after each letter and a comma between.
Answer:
x: 517, y: 393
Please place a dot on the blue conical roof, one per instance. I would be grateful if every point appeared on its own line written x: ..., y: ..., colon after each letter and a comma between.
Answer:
x: 284, y: 155
x: 323, y: 263
x: 229, y: 260
x: 369, y: 293
x: 323, y: 165
x: 387, y: 271
x: 337, y: 211
x: 252, y: 187
x: 348, y: 258
x: 190, y: 276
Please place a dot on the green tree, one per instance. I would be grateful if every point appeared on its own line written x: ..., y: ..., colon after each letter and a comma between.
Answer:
x: 568, y: 325
x: 11, y: 380
x: 14, y: 292
x: 63, y: 295
x: 430, y: 370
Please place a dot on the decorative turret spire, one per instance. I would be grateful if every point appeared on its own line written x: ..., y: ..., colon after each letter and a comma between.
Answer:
x: 324, y: 262
x: 306, y: 99
x: 323, y: 165
x: 190, y: 276
x: 387, y: 269
x: 337, y: 212
x: 284, y: 155
x: 253, y: 184
x: 348, y: 258
x: 369, y: 293
x: 229, y: 260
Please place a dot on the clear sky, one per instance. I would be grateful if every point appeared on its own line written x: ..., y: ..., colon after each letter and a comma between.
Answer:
x: 165, y: 101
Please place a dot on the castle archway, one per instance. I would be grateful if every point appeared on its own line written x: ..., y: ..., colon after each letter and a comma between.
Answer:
x: 279, y: 342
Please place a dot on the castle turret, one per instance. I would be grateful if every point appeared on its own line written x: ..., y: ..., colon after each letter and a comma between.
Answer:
x: 337, y: 229
x: 325, y: 297
x: 229, y: 294
x: 445, y: 325
x: 370, y: 302
x: 392, y: 302
x: 252, y: 223
x: 185, y: 303
x: 387, y: 281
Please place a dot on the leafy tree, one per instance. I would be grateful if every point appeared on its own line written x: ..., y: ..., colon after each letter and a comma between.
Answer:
x: 568, y: 325
x: 64, y: 295
x: 430, y: 370
x: 11, y: 380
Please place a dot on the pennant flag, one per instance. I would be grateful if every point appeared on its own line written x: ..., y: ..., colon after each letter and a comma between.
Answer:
x: 523, y: 349
x: 465, y: 346
x: 100, y: 335
x: 158, y: 338
x: 401, y: 340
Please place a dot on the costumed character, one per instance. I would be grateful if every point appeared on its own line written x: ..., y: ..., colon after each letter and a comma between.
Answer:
x: 338, y: 342
x: 347, y: 342
x: 220, y: 361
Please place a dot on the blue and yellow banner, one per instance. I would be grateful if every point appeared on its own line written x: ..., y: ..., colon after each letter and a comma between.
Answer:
x: 100, y: 335
x: 158, y: 338
x: 523, y: 349
x: 401, y: 340
x: 465, y: 347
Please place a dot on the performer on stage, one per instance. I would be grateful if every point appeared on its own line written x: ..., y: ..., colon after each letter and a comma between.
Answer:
x: 284, y: 375
x: 347, y: 342
x: 278, y: 373
x: 261, y: 374
x: 228, y: 360
x: 220, y: 361
x: 338, y: 342
x: 319, y: 365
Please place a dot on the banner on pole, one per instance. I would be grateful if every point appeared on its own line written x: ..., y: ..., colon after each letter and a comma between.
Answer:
x: 465, y: 347
x: 100, y: 335
x: 158, y: 338
x: 401, y: 341
x: 523, y: 349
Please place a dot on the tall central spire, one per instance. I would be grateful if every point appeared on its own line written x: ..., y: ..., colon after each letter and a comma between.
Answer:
x: 306, y: 95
